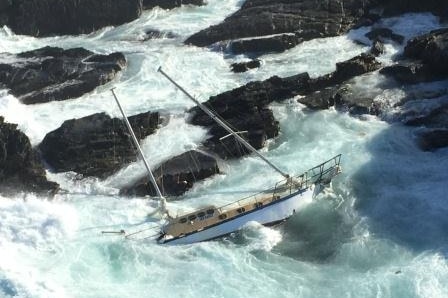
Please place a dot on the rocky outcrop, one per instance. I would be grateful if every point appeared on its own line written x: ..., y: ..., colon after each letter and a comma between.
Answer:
x: 95, y: 145
x: 431, y: 49
x: 55, y: 17
x: 263, y: 45
x: 245, y: 108
x: 20, y: 167
x: 384, y: 33
x: 50, y: 73
x: 305, y: 20
x: 245, y: 66
x: 169, y: 4
x: 177, y: 175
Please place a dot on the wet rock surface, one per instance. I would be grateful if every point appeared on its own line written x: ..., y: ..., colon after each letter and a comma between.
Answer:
x: 245, y: 66
x: 303, y: 19
x: 263, y: 45
x: 177, y: 175
x: 96, y: 145
x: 431, y: 49
x: 54, y: 17
x: 50, y: 73
x: 20, y: 166
x: 169, y: 4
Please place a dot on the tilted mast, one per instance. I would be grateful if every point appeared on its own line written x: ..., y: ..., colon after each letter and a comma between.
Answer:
x: 224, y: 125
x: 139, y: 149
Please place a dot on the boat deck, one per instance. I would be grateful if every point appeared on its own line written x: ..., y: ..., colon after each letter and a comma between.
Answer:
x: 210, y: 216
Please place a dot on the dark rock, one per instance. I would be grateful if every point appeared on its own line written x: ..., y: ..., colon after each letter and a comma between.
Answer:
x: 49, y: 73
x: 410, y: 73
x: 177, y: 175
x: 277, y: 44
x: 307, y: 19
x: 345, y: 70
x: 432, y: 49
x: 377, y: 48
x: 55, y: 17
x: 5, y: 4
x: 245, y: 66
x: 384, y: 33
x: 169, y: 4
x: 397, y: 7
x: 156, y: 34
x: 321, y: 99
x: 245, y: 108
x: 20, y: 167
x: 434, y: 140
x: 95, y: 145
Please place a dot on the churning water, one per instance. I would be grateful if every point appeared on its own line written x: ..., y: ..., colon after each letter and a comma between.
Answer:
x: 380, y: 231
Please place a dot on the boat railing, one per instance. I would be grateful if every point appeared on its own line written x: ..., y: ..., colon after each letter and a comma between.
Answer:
x: 321, y: 174
x: 144, y: 232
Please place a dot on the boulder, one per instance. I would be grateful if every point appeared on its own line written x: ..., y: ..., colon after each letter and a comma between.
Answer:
x: 96, y: 145
x: 245, y: 66
x: 20, y: 167
x: 50, y: 73
x: 176, y: 176
x: 55, y: 17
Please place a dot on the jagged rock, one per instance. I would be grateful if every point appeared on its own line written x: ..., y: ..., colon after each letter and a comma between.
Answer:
x: 410, y: 73
x: 277, y: 44
x: 177, y: 175
x: 432, y: 49
x: 95, y: 145
x: 377, y: 48
x: 20, y: 167
x: 55, y: 17
x: 169, y: 4
x: 433, y: 140
x: 384, y: 33
x: 49, y: 73
x: 245, y: 66
x: 307, y: 19
x: 345, y: 70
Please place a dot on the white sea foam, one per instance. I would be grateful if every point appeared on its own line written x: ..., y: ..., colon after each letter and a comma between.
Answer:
x: 387, y: 208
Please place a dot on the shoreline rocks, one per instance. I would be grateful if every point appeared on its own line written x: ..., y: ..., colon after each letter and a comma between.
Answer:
x: 20, y: 167
x: 50, y: 73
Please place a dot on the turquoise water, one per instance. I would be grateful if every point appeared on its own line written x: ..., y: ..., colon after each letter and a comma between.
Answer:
x: 379, y: 231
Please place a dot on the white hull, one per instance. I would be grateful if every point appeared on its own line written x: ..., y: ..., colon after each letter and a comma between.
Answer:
x: 275, y: 212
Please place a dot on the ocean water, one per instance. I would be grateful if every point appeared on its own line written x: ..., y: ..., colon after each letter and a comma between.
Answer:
x: 379, y: 231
